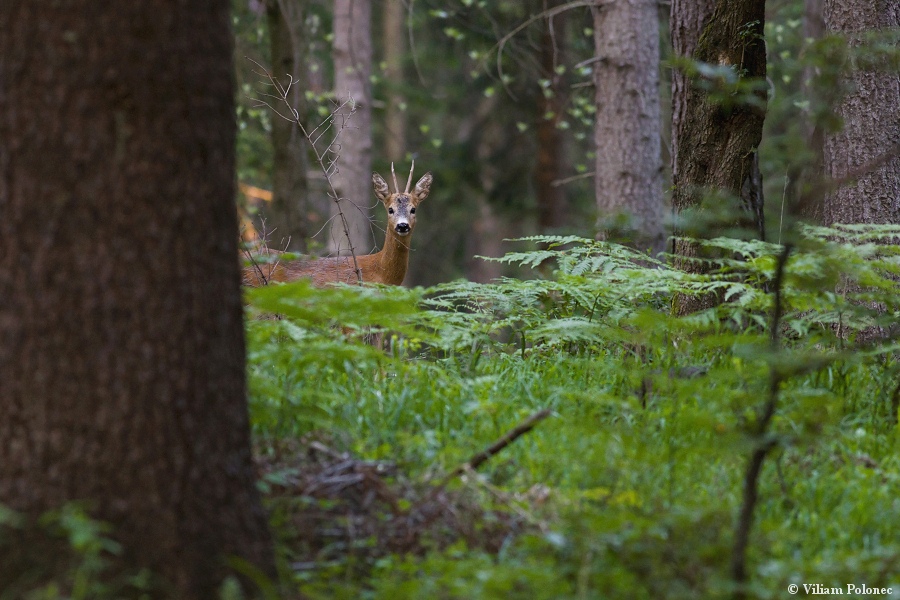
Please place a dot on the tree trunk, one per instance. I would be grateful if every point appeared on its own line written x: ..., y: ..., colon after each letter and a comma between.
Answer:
x: 553, y: 208
x: 352, y: 69
x: 628, y: 178
x: 394, y: 39
x: 805, y: 179
x: 121, y: 338
x: 287, y: 217
x: 864, y: 154
x: 715, y: 146
x: 686, y: 22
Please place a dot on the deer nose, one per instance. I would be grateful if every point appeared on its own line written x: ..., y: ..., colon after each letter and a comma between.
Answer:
x: 402, y: 227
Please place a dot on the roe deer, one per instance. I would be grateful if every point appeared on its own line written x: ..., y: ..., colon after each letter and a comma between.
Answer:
x: 387, y: 266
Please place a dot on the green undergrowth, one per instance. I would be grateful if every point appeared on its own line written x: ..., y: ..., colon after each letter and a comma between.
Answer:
x: 632, y: 488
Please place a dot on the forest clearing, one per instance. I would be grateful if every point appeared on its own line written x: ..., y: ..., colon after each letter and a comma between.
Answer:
x: 628, y: 328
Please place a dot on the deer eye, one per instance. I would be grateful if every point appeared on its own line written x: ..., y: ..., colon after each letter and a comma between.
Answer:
x: 390, y: 211
x: 412, y: 211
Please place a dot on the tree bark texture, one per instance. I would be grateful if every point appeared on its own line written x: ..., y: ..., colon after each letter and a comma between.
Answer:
x: 394, y: 40
x: 352, y: 69
x: 805, y: 181
x: 714, y: 148
x: 687, y: 19
x: 628, y: 178
x: 865, y: 155
x: 288, y: 217
x: 121, y: 338
x: 552, y: 204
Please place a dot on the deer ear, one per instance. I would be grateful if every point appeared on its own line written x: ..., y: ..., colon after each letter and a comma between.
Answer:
x: 381, y: 187
x: 423, y: 186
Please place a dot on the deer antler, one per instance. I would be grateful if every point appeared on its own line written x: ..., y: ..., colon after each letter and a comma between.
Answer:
x: 409, y: 181
x: 394, y: 175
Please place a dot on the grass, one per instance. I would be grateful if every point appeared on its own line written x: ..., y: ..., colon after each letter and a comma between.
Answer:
x: 632, y: 488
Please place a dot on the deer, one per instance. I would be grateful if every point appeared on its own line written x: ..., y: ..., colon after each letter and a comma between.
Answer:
x: 388, y: 266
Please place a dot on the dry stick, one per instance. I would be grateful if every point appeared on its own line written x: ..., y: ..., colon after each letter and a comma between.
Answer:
x: 255, y: 263
x: 480, y: 458
x: 763, y: 445
x: 320, y: 157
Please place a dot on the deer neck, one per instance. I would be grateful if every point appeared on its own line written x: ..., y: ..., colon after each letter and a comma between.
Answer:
x: 394, y: 258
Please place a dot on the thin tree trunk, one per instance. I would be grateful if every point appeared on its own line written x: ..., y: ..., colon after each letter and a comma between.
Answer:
x: 805, y: 180
x: 352, y: 69
x: 394, y: 39
x: 866, y: 152
x: 552, y: 203
x: 628, y: 178
x: 485, y: 236
x: 715, y: 147
x: 121, y: 337
x: 287, y: 217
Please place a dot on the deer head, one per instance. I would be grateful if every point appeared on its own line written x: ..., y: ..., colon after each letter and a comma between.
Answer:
x: 401, y: 207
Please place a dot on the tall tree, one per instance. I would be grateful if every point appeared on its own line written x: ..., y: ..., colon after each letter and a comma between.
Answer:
x: 628, y: 178
x: 551, y: 198
x: 805, y: 176
x: 865, y: 154
x: 394, y: 40
x: 352, y: 71
x: 121, y: 339
x: 714, y: 143
x: 287, y: 217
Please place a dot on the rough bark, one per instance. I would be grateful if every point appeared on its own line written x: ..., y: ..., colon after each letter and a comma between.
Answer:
x: 551, y: 199
x: 121, y: 338
x: 287, y: 216
x: 628, y: 178
x: 865, y: 154
x: 352, y: 70
x: 687, y: 19
x: 714, y: 147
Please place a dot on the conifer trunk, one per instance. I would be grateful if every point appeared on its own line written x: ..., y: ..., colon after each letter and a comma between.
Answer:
x: 628, y: 179
x: 352, y: 70
x: 394, y: 40
x: 288, y: 215
x: 865, y: 153
x: 714, y: 147
x: 552, y: 203
x: 121, y: 337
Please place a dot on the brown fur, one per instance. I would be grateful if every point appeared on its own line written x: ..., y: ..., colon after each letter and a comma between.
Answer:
x: 387, y: 266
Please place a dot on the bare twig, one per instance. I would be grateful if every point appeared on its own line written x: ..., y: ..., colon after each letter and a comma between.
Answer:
x: 329, y: 166
x: 565, y: 180
x: 482, y: 457
x: 549, y: 14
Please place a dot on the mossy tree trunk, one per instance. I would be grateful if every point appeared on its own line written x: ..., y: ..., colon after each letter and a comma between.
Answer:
x: 714, y: 144
x: 121, y: 337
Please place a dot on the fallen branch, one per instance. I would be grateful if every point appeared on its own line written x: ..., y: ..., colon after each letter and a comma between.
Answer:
x: 482, y: 457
